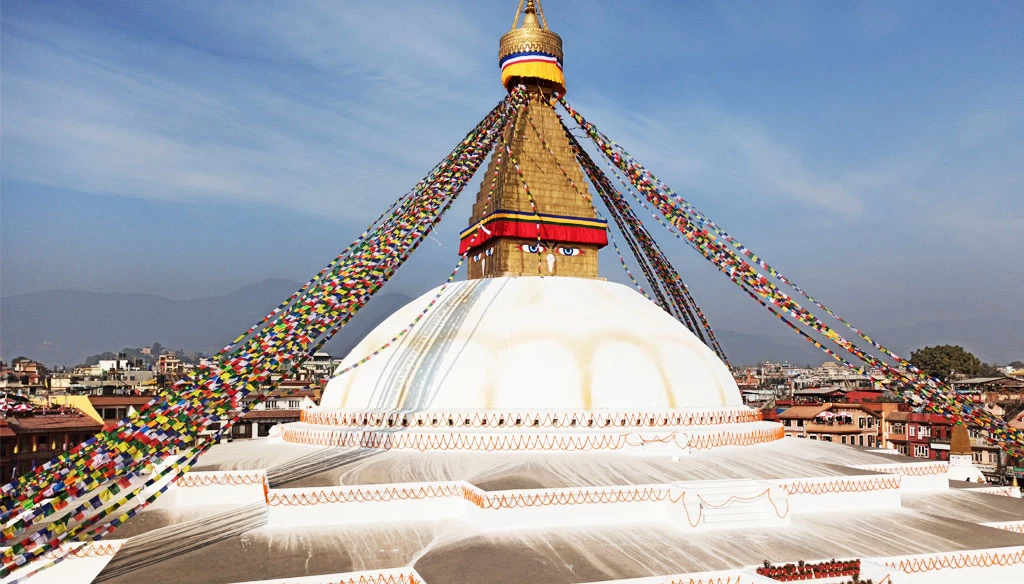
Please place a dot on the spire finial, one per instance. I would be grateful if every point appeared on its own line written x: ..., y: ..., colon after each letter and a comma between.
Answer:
x: 533, y: 15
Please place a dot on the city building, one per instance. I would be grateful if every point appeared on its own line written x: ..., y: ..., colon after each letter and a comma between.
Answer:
x: 284, y: 405
x: 40, y: 436
x: 851, y: 424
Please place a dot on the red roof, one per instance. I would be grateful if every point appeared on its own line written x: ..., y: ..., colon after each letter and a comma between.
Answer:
x: 50, y: 423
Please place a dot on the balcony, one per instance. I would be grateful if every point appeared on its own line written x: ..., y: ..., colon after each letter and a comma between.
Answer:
x: 837, y: 429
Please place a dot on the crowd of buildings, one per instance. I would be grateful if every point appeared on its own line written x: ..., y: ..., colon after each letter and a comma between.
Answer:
x: 827, y: 403
x: 44, y: 412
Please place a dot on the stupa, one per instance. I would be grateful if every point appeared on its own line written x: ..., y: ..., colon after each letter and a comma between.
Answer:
x: 541, y: 424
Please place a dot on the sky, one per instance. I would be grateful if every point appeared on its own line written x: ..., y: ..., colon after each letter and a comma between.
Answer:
x: 870, y: 150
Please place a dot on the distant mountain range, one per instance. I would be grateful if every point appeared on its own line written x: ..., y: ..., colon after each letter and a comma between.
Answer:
x: 65, y: 327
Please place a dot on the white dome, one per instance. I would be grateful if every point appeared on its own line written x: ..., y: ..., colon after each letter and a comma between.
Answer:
x: 533, y: 343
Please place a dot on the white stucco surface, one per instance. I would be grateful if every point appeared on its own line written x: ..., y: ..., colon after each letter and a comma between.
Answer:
x: 533, y: 343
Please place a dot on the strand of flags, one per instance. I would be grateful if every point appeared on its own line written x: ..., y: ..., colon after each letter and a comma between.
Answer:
x: 87, y: 492
x: 754, y: 275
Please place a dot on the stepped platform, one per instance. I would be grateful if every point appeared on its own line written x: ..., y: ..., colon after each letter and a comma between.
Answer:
x: 270, y: 511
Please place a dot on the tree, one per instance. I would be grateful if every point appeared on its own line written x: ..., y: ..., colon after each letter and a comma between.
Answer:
x: 990, y: 370
x: 1016, y: 364
x: 946, y: 361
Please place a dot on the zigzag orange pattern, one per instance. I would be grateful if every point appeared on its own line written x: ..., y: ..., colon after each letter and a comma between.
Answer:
x: 383, y: 579
x: 85, y: 551
x: 917, y: 470
x: 841, y: 486
x: 364, y: 496
x: 424, y: 442
x: 565, y: 419
x: 719, y: 580
x: 200, y: 480
x: 982, y: 560
x: 1016, y: 526
x: 483, y: 500
x: 516, y: 500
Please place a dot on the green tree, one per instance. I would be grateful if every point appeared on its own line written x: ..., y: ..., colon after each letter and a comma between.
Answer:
x: 946, y: 361
x: 1017, y: 364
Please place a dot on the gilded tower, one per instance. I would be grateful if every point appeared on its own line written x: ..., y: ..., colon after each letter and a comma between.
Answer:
x: 534, y: 215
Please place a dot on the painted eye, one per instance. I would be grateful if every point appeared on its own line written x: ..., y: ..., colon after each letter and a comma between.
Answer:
x: 532, y: 248
x: 476, y: 258
x: 570, y: 251
x: 490, y: 251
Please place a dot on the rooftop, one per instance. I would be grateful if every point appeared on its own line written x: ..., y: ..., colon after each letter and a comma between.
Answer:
x: 54, y: 422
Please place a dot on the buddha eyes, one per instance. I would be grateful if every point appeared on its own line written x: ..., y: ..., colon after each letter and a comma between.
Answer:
x: 489, y: 252
x: 565, y: 251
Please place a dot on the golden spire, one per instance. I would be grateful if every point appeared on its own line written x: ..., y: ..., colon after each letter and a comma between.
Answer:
x: 960, y: 440
x: 541, y: 222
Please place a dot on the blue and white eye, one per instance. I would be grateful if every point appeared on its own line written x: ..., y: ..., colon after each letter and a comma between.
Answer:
x: 532, y: 248
x: 476, y: 258
x: 570, y: 251
x: 490, y: 251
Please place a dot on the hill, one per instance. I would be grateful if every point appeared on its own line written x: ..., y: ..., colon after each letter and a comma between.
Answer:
x: 65, y: 327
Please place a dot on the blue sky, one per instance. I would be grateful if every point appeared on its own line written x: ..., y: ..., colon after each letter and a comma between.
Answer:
x: 871, y: 150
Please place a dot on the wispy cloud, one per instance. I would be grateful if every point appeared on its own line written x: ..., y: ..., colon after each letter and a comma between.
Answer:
x: 698, y: 147
x: 138, y: 122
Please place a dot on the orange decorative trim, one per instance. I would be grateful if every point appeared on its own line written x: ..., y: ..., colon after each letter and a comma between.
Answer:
x: 958, y: 562
x: 530, y: 419
x: 909, y: 469
x: 514, y: 500
x: 190, y: 480
x: 1014, y: 526
x: 484, y: 500
x: 841, y: 486
x: 382, y: 579
x: 89, y: 550
x: 522, y: 442
x: 711, y: 580
x: 358, y: 495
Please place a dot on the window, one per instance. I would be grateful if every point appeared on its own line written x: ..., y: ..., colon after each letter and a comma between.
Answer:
x: 924, y: 431
x: 860, y: 440
x: 898, y: 428
x: 844, y: 439
x: 862, y: 422
x: 826, y: 438
x: 871, y: 441
x: 814, y: 436
x: 912, y: 428
x: 293, y: 404
x: 871, y: 422
x: 921, y: 451
x: 901, y: 448
x: 976, y: 455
